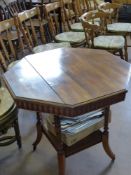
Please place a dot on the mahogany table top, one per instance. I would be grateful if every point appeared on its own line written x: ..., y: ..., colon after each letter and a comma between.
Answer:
x: 68, y: 81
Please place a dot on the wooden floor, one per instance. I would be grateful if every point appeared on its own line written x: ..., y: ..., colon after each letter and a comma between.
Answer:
x: 92, y: 161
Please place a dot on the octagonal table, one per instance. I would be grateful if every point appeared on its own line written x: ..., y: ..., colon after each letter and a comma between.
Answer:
x: 69, y: 82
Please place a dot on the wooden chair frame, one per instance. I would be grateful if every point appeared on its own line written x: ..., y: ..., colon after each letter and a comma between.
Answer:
x: 29, y: 32
x: 5, y: 28
x: 10, y: 117
x: 112, y: 9
x: 58, y: 22
x: 92, y: 30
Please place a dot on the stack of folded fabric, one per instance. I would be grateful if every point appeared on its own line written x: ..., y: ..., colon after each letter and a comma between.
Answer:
x: 74, y: 129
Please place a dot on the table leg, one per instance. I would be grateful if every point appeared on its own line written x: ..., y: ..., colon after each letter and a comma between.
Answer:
x: 61, y: 163
x: 105, y: 135
x: 39, y: 128
x: 17, y: 133
x: 60, y: 150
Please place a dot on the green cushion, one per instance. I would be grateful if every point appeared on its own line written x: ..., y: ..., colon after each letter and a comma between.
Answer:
x: 109, y: 42
x: 72, y: 37
x: 12, y: 64
x: 96, y: 21
x: 119, y: 27
x: 50, y: 46
x: 77, y: 27
x: 6, y: 101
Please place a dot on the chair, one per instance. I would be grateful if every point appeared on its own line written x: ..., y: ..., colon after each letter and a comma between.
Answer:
x: 3, y: 13
x: 73, y: 21
x: 87, y: 5
x: 119, y: 28
x: 93, y: 4
x: 10, y: 40
x: 31, y: 34
x: 95, y: 37
x: 8, y: 113
x: 14, y: 7
x: 71, y: 13
x: 76, y: 39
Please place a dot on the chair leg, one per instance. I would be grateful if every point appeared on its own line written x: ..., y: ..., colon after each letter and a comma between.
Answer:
x: 17, y: 133
x: 126, y: 51
x: 61, y: 163
x: 121, y: 54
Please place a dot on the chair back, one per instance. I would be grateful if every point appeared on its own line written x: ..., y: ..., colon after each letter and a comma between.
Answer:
x: 112, y: 9
x: 92, y: 5
x: 30, y: 33
x: 91, y: 28
x: 3, y: 13
x: 7, y: 46
x: 69, y: 13
x: 53, y: 16
x: 3, y: 63
x: 10, y: 8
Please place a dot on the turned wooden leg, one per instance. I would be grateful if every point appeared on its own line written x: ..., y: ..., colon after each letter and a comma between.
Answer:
x: 39, y: 128
x: 126, y: 51
x: 121, y: 54
x: 61, y: 163
x: 105, y: 136
x: 107, y: 147
x: 60, y: 151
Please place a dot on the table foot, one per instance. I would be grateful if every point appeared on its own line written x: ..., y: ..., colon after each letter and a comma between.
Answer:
x: 106, y: 146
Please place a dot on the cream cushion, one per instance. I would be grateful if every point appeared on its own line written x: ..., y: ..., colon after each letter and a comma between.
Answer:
x: 50, y: 46
x: 109, y: 42
x: 6, y: 101
x: 119, y: 27
x: 71, y: 37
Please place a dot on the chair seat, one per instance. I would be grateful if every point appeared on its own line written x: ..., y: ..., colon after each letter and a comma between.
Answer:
x: 50, y: 46
x: 119, y: 27
x: 12, y: 64
x: 13, y: 35
x: 71, y: 37
x: 36, y: 23
x: 77, y: 27
x: 6, y: 102
x: 109, y: 42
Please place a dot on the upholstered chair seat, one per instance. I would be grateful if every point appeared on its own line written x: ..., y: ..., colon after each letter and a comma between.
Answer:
x: 8, y: 118
x: 119, y: 27
x: 50, y: 46
x: 12, y: 64
x: 77, y: 27
x: 71, y: 37
x: 109, y: 42
x: 36, y: 23
x: 6, y: 102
